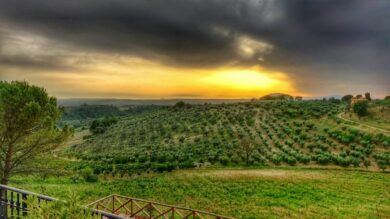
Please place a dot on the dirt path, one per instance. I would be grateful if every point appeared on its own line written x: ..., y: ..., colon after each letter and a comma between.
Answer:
x: 361, y: 124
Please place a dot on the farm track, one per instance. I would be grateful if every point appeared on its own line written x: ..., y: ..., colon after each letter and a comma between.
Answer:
x: 361, y: 124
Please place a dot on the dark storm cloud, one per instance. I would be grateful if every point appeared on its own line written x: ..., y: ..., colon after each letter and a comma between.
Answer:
x: 176, y: 31
x: 309, y: 38
x: 193, y: 32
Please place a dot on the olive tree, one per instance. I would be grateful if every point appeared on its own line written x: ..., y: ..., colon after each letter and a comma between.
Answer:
x: 347, y: 98
x: 28, y: 117
x: 361, y: 108
x: 367, y: 96
x: 248, y: 148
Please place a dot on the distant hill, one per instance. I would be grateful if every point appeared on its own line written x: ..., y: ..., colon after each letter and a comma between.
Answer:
x: 277, y: 96
x: 134, y: 102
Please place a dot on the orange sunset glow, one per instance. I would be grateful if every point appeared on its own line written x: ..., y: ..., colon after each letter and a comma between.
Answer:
x: 105, y: 76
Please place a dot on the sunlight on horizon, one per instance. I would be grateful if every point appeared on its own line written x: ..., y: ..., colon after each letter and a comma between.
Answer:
x: 101, y: 76
x: 246, y: 80
x: 158, y: 82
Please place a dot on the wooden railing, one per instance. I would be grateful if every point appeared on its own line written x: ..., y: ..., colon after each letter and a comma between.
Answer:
x: 142, y: 209
x: 13, y: 204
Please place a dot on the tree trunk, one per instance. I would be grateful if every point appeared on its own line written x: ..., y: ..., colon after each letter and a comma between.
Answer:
x: 7, y: 166
x: 4, y: 180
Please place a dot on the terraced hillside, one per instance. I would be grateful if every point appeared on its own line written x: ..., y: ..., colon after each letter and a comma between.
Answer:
x: 253, y: 133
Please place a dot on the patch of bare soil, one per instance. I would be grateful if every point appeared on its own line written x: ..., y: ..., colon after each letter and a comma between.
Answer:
x: 261, y: 174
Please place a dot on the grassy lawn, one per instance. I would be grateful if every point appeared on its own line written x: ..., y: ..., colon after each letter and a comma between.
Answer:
x: 243, y: 193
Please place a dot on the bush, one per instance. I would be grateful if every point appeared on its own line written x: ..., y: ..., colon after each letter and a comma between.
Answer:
x: 305, y: 159
x: 75, y: 178
x: 180, y: 104
x: 291, y: 160
x: 99, y: 126
x: 160, y: 167
x: 323, y: 159
x: 72, y: 208
x: 224, y: 160
x: 276, y: 159
x: 185, y: 165
x: 361, y: 108
x: 88, y: 175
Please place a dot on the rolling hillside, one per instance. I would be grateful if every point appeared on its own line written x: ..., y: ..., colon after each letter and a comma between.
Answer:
x: 253, y: 133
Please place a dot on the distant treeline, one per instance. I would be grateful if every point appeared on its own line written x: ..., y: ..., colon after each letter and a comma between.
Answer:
x: 130, y: 102
x: 84, y: 112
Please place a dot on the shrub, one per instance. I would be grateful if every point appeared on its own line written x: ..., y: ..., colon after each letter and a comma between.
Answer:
x: 71, y: 208
x: 75, y: 178
x: 345, y: 162
x: 361, y: 108
x: 100, y: 126
x: 276, y: 159
x: 224, y: 160
x: 323, y: 159
x: 180, y: 104
x: 291, y: 160
x: 88, y: 175
x: 184, y: 165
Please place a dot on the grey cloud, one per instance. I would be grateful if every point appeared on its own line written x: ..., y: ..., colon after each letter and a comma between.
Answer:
x: 177, y: 32
x: 46, y: 63
x: 311, y: 39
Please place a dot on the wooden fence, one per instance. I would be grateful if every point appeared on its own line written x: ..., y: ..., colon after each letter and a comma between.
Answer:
x: 142, y: 209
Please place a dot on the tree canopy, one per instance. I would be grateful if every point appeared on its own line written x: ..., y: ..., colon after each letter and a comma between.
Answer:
x: 347, y: 98
x: 99, y: 126
x: 28, y: 117
x: 367, y: 96
x: 361, y: 108
x: 180, y: 104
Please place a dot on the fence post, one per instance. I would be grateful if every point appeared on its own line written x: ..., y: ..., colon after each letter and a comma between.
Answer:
x: 131, y: 208
x: 24, y: 205
x: 3, y: 203
x: 113, y: 204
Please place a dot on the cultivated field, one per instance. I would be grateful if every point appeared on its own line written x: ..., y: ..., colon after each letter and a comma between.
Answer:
x: 244, y: 134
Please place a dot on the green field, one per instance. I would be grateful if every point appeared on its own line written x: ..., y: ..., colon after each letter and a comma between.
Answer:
x: 260, y: 159
x: 243, y: 193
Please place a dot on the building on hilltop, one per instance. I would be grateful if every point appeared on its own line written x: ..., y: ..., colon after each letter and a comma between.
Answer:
x: 357, y: 99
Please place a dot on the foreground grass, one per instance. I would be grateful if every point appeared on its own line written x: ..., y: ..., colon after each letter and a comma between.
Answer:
x: 260, y: 193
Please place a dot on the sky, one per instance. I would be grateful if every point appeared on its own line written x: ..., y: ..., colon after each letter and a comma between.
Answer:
x: 144, y: 49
